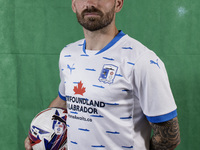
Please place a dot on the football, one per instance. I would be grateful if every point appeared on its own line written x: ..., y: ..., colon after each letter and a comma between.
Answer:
x: 48, y: 130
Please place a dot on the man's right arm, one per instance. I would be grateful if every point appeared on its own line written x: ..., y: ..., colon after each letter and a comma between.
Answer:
x: 57, y: 102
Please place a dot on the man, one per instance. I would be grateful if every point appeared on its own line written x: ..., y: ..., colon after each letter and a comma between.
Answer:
x: 115, y: 88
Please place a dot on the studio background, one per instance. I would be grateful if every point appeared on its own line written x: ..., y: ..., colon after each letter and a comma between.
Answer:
x: 33, y: 32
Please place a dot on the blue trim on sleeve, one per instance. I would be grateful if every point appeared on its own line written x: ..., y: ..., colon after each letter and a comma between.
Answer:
x: 162, y: 118
x: 115, y: 40
x: 62, y: 97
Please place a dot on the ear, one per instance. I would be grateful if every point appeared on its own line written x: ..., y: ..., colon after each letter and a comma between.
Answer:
x: 118, y: 5
x: 73, y: 6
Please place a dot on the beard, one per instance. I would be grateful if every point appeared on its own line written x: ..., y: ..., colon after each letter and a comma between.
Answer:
x: 95, y: 23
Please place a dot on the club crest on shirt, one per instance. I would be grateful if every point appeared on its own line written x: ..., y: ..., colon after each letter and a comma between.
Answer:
x: 108, y: 73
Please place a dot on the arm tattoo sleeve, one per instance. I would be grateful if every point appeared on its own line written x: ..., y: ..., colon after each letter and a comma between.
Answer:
x: 166, y: 135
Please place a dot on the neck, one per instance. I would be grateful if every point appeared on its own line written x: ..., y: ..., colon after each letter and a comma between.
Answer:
x: 96, y: 40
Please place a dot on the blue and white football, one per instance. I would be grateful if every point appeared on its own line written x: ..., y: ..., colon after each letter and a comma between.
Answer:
x: 48, y: 130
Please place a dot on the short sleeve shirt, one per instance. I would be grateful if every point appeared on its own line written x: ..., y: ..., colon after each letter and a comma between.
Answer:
x: 112, y: 93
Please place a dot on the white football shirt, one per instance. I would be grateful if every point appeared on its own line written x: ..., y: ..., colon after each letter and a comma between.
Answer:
x: 112, y: 93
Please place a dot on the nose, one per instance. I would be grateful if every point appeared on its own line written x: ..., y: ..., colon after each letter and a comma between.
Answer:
x: 91, y: 3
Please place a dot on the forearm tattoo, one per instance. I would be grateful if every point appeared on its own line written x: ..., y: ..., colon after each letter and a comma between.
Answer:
x: 166, y: 135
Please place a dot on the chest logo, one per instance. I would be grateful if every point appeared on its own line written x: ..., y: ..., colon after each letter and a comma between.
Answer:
x: 71, y: 68
x: 79, y: 89
x: 108, y: 73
